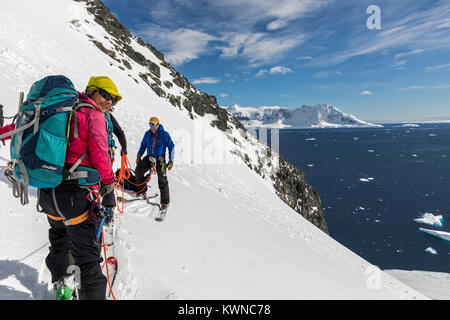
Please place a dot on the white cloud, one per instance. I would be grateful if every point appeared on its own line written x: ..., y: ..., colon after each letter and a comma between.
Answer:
x: 402, y: 55
x: 280, y: 69
x: 187, y: 45
x: 442, y: 86
x: 277, y: 24
x: 223, y: 95
x: 258, y: 48
x: 179, y: 45
x: 285, y: 11
x: 304, y: 58
x: 327, y: 74
x: 269, y: 49
x: 205, y: 80
x: 439, y: 67
x: 366, y: 93
x: 190, y: 26
x: 261, y: 72
x: 274, y: 70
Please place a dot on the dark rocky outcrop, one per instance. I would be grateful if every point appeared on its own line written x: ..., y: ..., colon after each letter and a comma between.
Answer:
x: 291, y: 186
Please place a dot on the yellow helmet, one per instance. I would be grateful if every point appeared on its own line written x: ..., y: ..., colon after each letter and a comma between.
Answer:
x: 106, y: 84
x: 154, y: 120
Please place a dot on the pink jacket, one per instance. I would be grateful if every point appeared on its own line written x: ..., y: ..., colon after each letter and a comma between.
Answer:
x: 92, y: 136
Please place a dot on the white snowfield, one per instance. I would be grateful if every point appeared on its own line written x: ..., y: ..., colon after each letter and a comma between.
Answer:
x: 226, y: 234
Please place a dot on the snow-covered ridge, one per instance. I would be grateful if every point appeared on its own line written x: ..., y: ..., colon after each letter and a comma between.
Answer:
x: 318, y: 116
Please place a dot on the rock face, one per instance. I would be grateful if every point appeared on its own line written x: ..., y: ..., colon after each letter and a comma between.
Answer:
x: 293, y: 189
x: 288, y: 181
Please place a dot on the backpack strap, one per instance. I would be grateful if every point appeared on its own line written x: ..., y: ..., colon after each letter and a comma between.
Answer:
x: 19, y: 187
x: 71, y: 174
x: 55, y: 203
x: 75, y: 108
x: 23, y: 128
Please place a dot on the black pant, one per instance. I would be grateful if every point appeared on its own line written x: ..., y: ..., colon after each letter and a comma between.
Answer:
x: 143, y: 166
x: 77, y: 241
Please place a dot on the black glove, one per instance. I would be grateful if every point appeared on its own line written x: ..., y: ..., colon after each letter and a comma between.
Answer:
x: 138, y: 158
x: 104, y: 189
x: 109, y: 214
x: 109, y: 200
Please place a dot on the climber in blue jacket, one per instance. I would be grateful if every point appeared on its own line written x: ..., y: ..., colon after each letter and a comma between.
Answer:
x: 155, y: 142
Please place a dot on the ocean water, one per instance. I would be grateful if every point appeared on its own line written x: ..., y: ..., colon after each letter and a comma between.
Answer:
x: 373, y: 183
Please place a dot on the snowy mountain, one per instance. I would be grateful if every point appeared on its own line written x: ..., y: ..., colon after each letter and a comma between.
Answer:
x: 233, y: 230
x: 318, y: 116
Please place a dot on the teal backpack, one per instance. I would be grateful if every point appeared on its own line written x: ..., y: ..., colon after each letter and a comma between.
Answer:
x: 39, y: 141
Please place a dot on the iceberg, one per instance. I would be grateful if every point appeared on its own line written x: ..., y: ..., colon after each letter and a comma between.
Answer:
x: 431, y: 219
x: 436, y: 233
x: 431, y: 250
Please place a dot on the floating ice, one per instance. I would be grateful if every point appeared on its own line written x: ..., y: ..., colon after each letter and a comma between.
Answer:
x: 431, y: 250
x: 310, y: 165
x: 438, y: 234
x: 364, y: 180
x: 414, y: 155
x: 310, y: 139
x: 432, y: 135
x: 431, y: 219
x: 370, y: 150
x: 410, y: 125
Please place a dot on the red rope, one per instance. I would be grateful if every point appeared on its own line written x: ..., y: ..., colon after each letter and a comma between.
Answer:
x: 124, y: 174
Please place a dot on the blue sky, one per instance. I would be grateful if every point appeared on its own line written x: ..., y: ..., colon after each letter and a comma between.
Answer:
x: 294, y: 52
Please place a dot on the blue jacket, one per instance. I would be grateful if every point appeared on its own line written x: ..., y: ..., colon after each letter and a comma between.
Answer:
x: 156, y: 145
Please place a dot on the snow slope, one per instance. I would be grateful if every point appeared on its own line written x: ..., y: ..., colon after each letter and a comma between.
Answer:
x: 434, y: 284
x: 318, y: 116
x: 226, y: 236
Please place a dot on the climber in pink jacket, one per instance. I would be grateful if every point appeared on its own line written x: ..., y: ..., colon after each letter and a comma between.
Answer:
x: 71, y: 213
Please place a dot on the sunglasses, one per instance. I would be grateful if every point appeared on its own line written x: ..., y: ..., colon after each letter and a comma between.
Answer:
x: 107, y: 96
x: 153, y: 124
